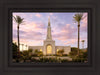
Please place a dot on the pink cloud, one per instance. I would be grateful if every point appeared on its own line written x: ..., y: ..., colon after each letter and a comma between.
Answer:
x: 38, y: 15
x: 71, y: 41
x: 32, y: 26
x: 51, y: 13
x: 24, y: 15
x: 84, y: 24
x: 85, y: 20
x: 30, y: 42
x: 66, y: 32
x: 55, y: 17
x: 30, y: 31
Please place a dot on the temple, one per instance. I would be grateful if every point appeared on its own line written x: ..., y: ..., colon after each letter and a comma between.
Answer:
x: 49, y: 47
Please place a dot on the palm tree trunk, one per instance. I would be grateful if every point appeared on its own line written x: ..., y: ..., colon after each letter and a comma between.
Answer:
x: 18, y: 41
x: 22, y: 46
x: 83, y: 45
x: 78, y: 37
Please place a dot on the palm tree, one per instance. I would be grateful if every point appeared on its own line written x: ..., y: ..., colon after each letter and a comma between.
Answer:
x: 83, y: 43
x: 26, y: 47
x: 19, y: 21
x: 77, y: 18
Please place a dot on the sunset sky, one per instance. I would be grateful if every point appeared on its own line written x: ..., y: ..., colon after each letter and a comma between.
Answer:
x: 63, y: 28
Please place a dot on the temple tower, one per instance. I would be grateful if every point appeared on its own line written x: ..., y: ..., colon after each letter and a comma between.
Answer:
x: 49, y: 44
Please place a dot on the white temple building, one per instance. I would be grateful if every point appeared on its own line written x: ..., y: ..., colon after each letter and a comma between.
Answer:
x: 49, y: 47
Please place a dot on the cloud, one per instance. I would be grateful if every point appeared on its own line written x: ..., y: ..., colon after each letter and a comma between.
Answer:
x: 26, y: 16
x: 51, y: 13
x: 68, y: 33
x: 84, y: 23
x: 30, y: 42
x: 71, y: 41
x: 38, y: 15
x: 54, y: 17
x: 33, y: 26
x: 64, y: 32
x: 30, y: 31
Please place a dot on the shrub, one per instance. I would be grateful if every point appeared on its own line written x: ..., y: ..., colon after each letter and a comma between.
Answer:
x: 65, y: 55
x: 30, y: 50
x: 64, y: 60
x: 60, y: 52
x: 73, y: 51
x: 34, y: 60
x: 78, y: 59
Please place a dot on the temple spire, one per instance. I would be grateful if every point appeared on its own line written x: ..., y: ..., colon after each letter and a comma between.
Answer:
x: 49, y: 21
x: 49, y: 36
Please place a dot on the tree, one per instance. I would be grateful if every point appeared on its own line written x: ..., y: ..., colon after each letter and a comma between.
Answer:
x: 77, y: 18
x: 14, y: 48
x: 30, y: 50
x: 25, y: 55
x: 19, y: 21
x: 61, y: 52
x: 73, y: 51
x: 38, y: 53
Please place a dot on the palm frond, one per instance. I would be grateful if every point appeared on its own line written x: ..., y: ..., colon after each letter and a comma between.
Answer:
x: 18, y: 19
x: 78, y: 17
x: 15, y: 19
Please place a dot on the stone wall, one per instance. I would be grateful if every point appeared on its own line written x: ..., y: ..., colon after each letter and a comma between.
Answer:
x: 36, y: 47
x: 66, y: 49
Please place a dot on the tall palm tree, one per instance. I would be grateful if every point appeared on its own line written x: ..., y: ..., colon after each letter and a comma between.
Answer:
x: 19, y: 21
x: 77, y: 18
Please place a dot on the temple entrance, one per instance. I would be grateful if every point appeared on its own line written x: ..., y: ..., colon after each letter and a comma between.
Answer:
x: 49, y: 49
